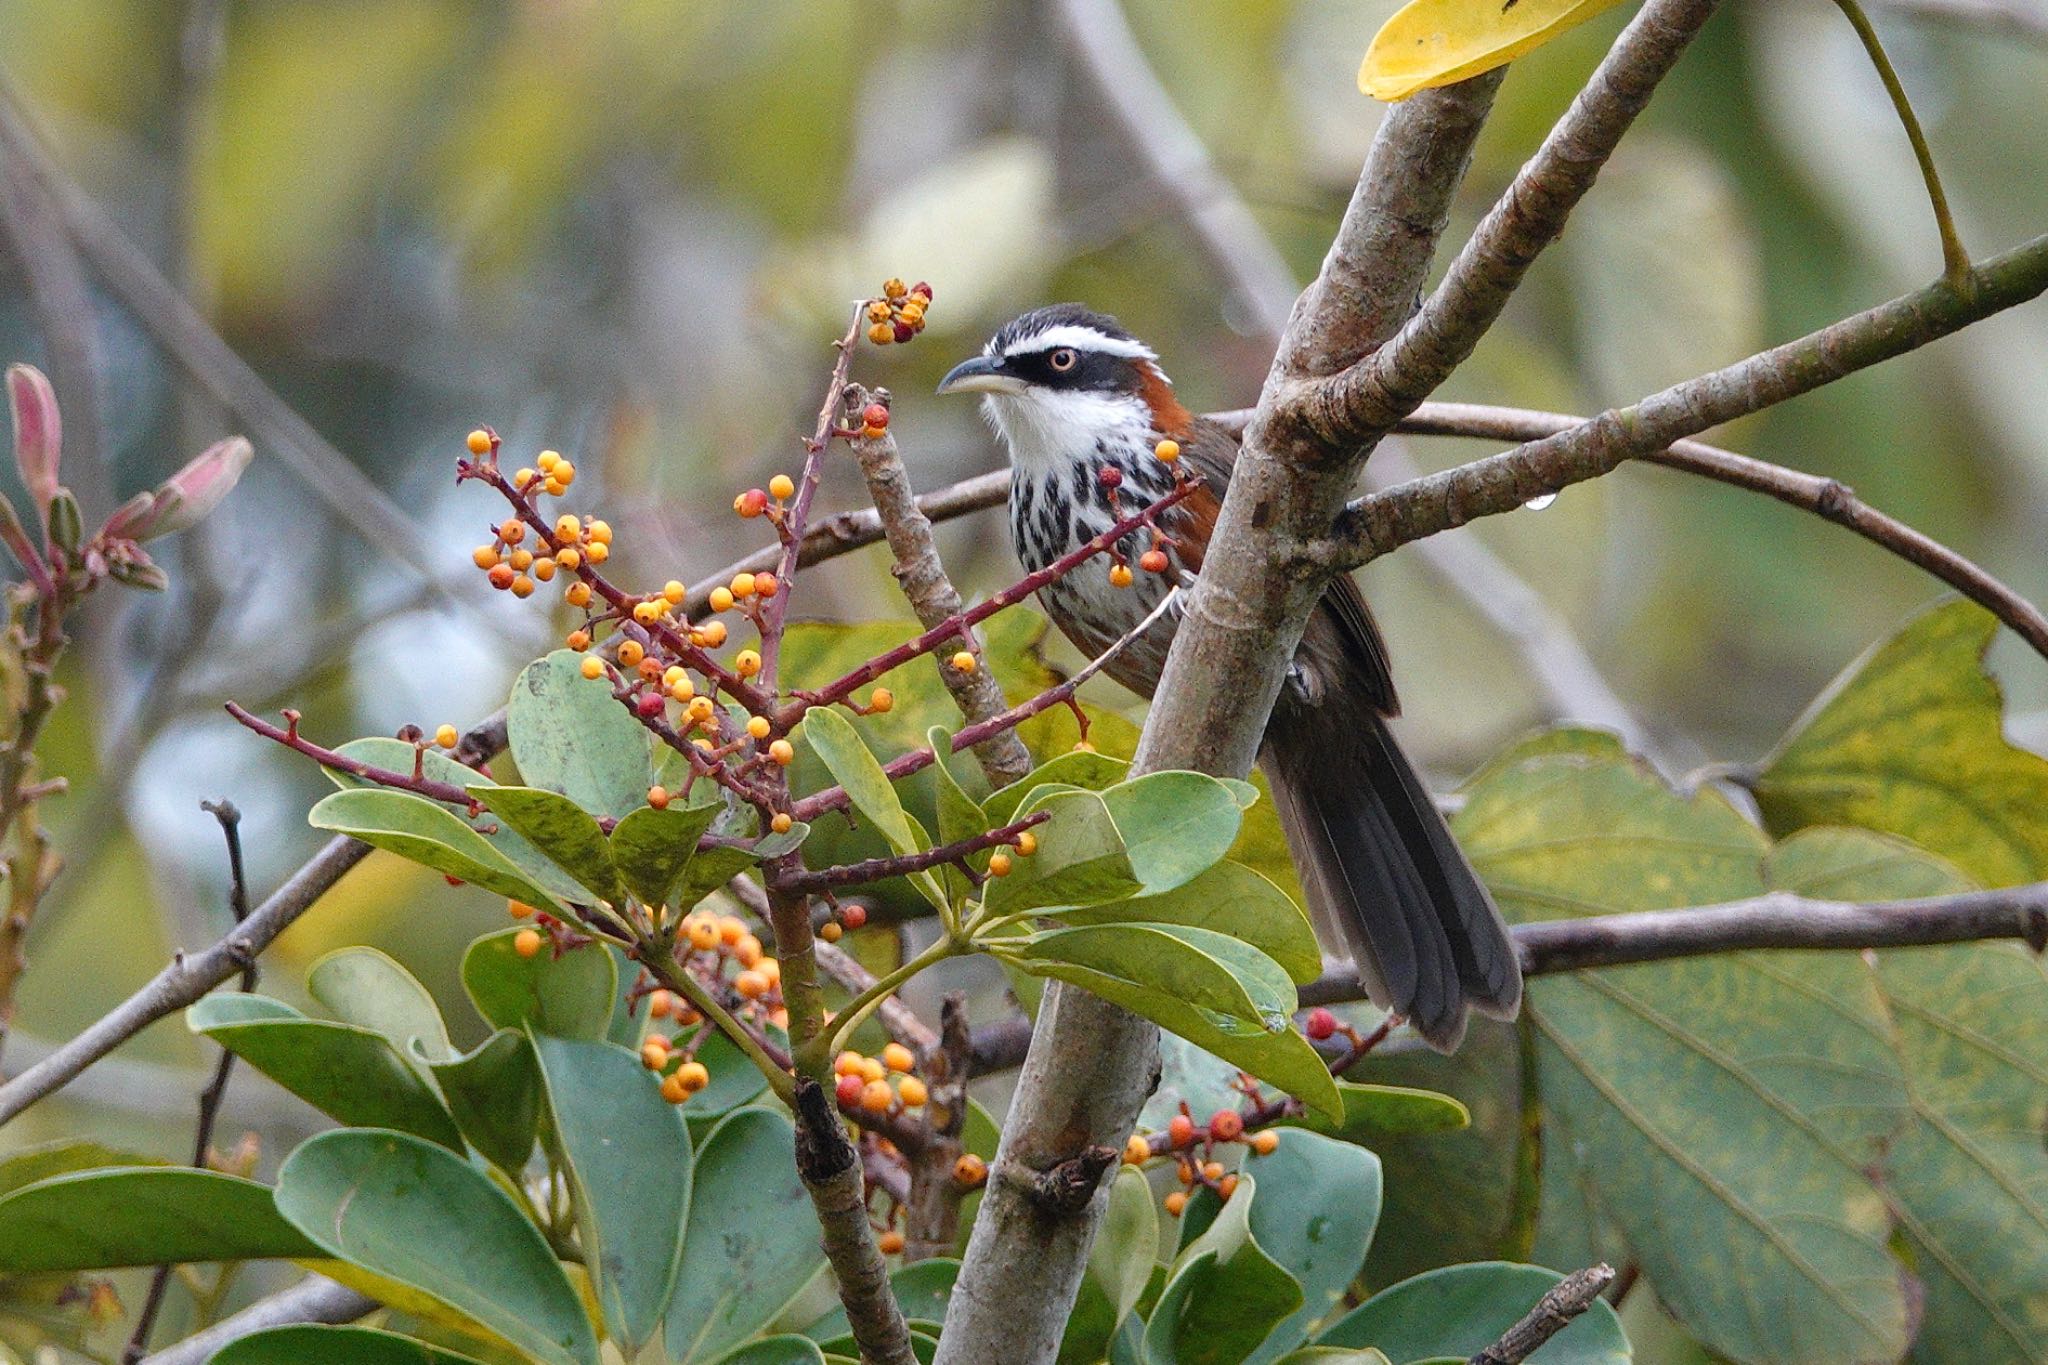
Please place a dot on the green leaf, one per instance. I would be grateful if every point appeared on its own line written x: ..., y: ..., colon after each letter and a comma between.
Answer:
x: 1965, y: 1166
x: 145, y: 1215
x: 306, y: 1342
x: 750, y: 1225
x: 63, y: 1157
x: 1319, y: 1201
x: 1710, y: 1102
x: 364, y: 987
x: 1196, y: 967
x: 1228, y: 899
x: 1174, y: 825
x: 1373, y: 1111
x: 395, y: 755
x: 561, y: 829
x: 1087, y: 771
x: 494, y: 1093
x: 344, y: 1071
x: 922, y: 1291
x: 735, y: 1081
x: 1910, y: 741
x: 653, y: 848
x: 1080, y: 859
x: 429, y: 834
x: 959, y: 815
x: 839, y: 746
x: 1225, y: 1293
x: 568, y: 734
x: 1337, y: 1355
x: 782, y: 1350
x: 415, y: 1213
x: 1462, y: 1309
x: 568, y: 996
x: 628, y: 1158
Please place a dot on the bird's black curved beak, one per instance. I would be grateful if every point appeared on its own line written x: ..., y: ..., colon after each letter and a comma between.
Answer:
x: 982, y: 374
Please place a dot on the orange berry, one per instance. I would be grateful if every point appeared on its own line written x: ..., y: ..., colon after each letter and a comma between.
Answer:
x: 1212, y: 1171
x: 599, y: 532
x: 770, y: 968
x: 526, y: 942
x: 970, y: 1171
x: 694, y: 1076
x: 913, y: 1091
x: 479, y: 442
x: 714, y: 631
x: 544, y: 570
x: 751, y: 985
x: 1227, y: 1186
x: 963, y: 662
x: 1175, y: 1202
x: 876, y: 1097
x: 647, y: 613
x: 872, y: 1070
x: 731, y: 929
x: 1184, y: 1171
x: 598, y: 551
x: 890, y: 1242
x: 782, y: 486
x: 650, y: 668
x: 554, y: 488
x: 563, y: 474
x: 502, y: 576
x: 486, y: 556
x: 781, y: 822
x: 1137, y: 1149
x: 765, y: 585
x: 657, y: 797
x: 874, y: 433
x: 518, y: 909
x: 631, y: 652
x: 1027, y: 844
x: 520, y: 559
x: 881, y: 334
x: 831, y: 932
x: 743, y: 585
x: 998, y: 864
x: 875, y: 415
x: 758, y: 727
x: 523, y: 478
x: 511, y: 530
x: 1180, y: 1131
x: 747, y: 949
x: 721, y: 599
x: 702, y: 709
x: 547, y: 460
x: 660, y: 1004
x: 751, y: 503
x: 1266, y: 1142
x: 673, y: 592
x: 703, y: 933
x: 1226, y: 1125
x: 894, y: 289
x: 1153, y: 561
x: 898, y: 1057
x: 571, y: 558
x: 783, y: 752
x: 522, y: 586
x: 673, y: 1089
x: 578, y: 640
x: 1119, y: 575
x: 1166, y: 452
x: 578, y: 594
x: 846, y: 1064
x: 654, y: 1052
x: 881, y: 701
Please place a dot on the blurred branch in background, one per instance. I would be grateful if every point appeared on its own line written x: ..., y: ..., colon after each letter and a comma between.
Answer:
x: 2023, y: 19
x: 1179, y: 166
x: 313, y: 1299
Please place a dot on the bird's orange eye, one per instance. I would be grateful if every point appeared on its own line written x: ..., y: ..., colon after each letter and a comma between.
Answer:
x: 1063, y: 359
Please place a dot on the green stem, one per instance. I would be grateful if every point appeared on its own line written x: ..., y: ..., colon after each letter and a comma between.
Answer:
x: 1954, y: 258
x: 685, y: 982
x: 869, y: 1000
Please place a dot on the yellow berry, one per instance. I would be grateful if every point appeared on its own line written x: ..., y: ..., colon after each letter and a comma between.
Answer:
x: 526, y: 942
x: 703, y: 932
x: 547, y: 460
x: 572, y: 559
x: 746, y: 663
x: 544, y: 570
x: 593, y: 667
x: 563, y: 474
x: 781, y: 823
x: 598, y: 551
x: 702, y: 709
x: 654, y: 1053
x: 522, y: 586
x: 782, y: 486
x: 1137, y: 1149
x: 672, y: 1088
x: 673, y: 592
x: 631, y: 652
x: 913, y: 1092
x: 659, y: 1004
x: 721, y: 599
x: 881, y: 701
x: 694, y: 1076
x: 523, y: 478
x: 657, y: 797
x: 970, y: 1171
x: 743, y: 585
x: 875, y: 1096
x: 881, y: 334
x: 1265, y: 1141
x: 894, y: 289
x: 963, y: 662
x: 446, y: 736
x: 673, y: 674
x: 521, y: 560
x: 568, y: 530
x: 714, y: 633
x: 518, y: 909
x: 1027, y: 844
x: 758, y: 727
x: 846, y: 1064
x: 486, y: 556
x: 479, y: 442
x: 599, y: 532
x: 750, y: 985
x: 872, y: 1070
x: 1119, y: 575
x: 1175, y: 1202
x: 1166, y: 452
x: 998, y: 864
x: 511, y: 530
x: 878, y: 311
x: 831, y: 932
x: 783, y: 752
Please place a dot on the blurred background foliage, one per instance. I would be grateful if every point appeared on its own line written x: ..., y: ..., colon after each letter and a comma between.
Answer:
x: 628, y: 228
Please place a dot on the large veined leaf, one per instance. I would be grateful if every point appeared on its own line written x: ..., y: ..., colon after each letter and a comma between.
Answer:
x: 1084, y: 769
x: 148, y: 1215
x: 1462, y: 1309
x: 561, y: 829
x: 627, y: 1154
x: 569, y: 734
x: 1224, y: 1295
x: 1436, y: 42
x: 1120, y: 1265
x: 364, y: 987
x: 429, y: 834
x: 1714, y: 1102
x: 1966, y: 1168
x: 750, y: 1225
x: 1910, y: 740
x: 344, y: 1071
x: 415, y: 1213
x: 568, y: 996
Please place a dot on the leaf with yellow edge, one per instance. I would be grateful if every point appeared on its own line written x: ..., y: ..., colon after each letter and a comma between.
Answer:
x: 1436, y: 42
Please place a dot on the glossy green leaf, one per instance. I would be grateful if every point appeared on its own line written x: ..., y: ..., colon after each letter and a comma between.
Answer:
x: 1088, y: 771
x: 960, y: 816
x: 364, y: 987
x: 1174, y: 825
x: 413, y: 1212
x: 750, y: 1224
x: 494, y: 1094
x: 63, y: 1157
x: 922, y: 1291
x: 1910, y: 741
x: 1228, y: 899
x: 711, y: 869
x: 627, y: 1154
x: 568, y: 996
x: 1225, y: 1293
x: 306, y: 1343
x: 1196, y: 967
x: 1120, y: 1263
x: 344, y: 1071
x: 1080, y: 859
x: 1710, y: 1102
x: 1318, y: 1204
x: 779, y: 1350
x: 840, y: 747
x: 1373, y: 1111
x: 1462, y: 1309
x: 427, y: 833
x: 568, y: 734
x: 561, y: 829
x: 1966, y: 1166
x: 1337, y: 1355
x: 735, y: 1081
x: 653, y: 848
x: 143, y: 1215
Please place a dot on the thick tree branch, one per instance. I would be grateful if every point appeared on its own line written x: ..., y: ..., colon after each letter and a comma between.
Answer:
x: 1422, y: 507
x: 1824, y: 497
x: 830, y: 1167
x: 1091, y: 1064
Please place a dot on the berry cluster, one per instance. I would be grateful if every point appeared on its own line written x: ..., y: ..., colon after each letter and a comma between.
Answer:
x: 728, y: 960
x: 1193, y: 1149
x: 899, y: 314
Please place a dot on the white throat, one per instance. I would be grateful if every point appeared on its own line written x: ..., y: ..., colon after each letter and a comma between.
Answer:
x: 1045, y: 430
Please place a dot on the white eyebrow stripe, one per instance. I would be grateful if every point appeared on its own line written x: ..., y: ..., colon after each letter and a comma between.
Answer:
x: 1081, y: 338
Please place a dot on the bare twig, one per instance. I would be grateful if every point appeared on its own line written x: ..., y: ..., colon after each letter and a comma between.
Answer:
x: 313, y: 1299
x: 230, y: 819
x: 1554, y: 1312
x: 931, y: 593
x: 831, y: 1170
x: 2023, y: 19
x: 1822, y: 496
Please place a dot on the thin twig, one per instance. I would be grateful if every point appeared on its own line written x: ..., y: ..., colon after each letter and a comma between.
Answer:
x: 230, y: 819
x: 810, y: 882
x: 1955, y: 259
x: 1554, y: 1312
x: 313, y: 1299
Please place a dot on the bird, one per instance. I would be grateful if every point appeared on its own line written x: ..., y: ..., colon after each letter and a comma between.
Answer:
x: 1071, y: 394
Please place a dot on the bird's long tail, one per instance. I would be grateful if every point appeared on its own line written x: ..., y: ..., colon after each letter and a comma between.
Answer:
x: 1383, y: 876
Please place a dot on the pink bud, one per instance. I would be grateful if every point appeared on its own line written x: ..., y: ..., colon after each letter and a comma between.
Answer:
x: 38, y: 433
x: 186, y: 497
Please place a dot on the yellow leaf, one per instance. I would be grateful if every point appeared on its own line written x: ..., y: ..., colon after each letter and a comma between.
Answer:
x: 1436, y: 42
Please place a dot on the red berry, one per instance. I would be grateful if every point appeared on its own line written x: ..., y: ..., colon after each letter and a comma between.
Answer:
x: 875, y: 415
x: 853, y: 916
x: 751, y: 503
x: 1181, y: 1131
x: 1226, y: 1125
x: 1109, y: 476
x: 847, y: 1089
x: 1320, y: 1024
x: 649, y: 704
x: 1153, y: 561
x: 922, y: 289
x: 904, y: 331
